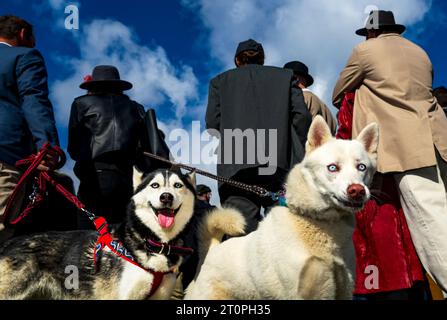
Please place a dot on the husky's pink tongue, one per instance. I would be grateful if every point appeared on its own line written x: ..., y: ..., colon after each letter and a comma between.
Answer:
x: 166, y: 218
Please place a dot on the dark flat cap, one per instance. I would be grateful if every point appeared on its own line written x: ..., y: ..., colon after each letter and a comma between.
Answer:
x: 249, y: 45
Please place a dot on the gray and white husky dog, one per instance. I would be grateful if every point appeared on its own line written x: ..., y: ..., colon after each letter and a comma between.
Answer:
x: 39, y: 265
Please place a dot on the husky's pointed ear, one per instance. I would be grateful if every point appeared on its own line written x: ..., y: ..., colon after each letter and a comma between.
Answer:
x: 319, y: 134
x: 136, y: 178
x: 192, y: 178
x: 369, y: 137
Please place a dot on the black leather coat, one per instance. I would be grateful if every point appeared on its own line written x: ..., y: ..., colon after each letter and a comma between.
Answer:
x: 107, y: 128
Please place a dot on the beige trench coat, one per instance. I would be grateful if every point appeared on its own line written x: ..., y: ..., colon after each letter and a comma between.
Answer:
x: 392, y: 78
x: 318, y: 107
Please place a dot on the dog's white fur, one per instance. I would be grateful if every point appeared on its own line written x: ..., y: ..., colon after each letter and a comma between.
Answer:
x: 184, y: 201
x: 182, y: 197
x: 298, y: 251
x: 32, y: 273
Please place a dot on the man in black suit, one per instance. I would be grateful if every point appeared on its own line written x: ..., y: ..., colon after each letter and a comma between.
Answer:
x: 26, y: 114
x: 253, y: 97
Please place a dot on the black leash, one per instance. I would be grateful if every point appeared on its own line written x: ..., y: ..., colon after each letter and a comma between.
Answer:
x: 259, y: 191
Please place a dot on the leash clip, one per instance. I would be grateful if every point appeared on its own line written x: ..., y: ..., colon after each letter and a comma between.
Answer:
x: 34, y: 195
x: 162, y: 248
x: 274, y: 196
x: 89, y: 214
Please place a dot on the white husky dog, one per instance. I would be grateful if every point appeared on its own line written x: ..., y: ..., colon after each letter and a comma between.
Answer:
x: 297, y: 252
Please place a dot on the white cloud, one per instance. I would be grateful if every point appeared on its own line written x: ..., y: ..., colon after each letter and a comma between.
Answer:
x: 318, y: 32
x: 57, y: 12
x: 156, y: 80
x: 56, y: 4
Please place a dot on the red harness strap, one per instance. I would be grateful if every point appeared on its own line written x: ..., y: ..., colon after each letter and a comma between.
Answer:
x: 43, y: 178
x: 105, y: 239
x: 32, y: 162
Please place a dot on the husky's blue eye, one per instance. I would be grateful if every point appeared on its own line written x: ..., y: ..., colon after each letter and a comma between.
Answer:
x: 155, y: 185
x: 178, y: 185
x: 361, y: 167
x: 333, y: 168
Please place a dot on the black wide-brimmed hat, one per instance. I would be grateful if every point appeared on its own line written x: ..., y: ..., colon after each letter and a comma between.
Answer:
x: 300, y: 69
x: 105, y: 77
x: 378, y: 20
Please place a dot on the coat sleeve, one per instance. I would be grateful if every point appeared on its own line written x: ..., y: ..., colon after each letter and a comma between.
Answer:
x: 301, y: 117
x: 312, y: 106
x: 73, y: 132
x: 152, y: 140
x: 318, y: 107
x: 212, y: 117
x: 32, y: 83
x: 142, y: 162
x: 350, y: 78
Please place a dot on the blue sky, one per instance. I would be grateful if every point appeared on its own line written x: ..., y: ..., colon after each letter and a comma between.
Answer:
x: 170, y: 49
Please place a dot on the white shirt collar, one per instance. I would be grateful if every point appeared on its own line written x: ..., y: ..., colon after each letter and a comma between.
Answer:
x: 6, y: 43
x: 305, y: 89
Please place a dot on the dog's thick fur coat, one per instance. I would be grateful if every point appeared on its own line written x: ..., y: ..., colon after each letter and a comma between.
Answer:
x: 59, y: 265
x: 298, y: 251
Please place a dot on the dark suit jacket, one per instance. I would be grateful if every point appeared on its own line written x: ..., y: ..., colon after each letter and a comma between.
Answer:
x: 259, y: 97
x: 26, y: 114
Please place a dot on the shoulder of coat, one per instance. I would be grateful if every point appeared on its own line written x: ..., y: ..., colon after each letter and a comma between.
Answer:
x: 26, y: 51
x: 224, y: 74
x: 279, y: 70
x: 310, y: 95
x: 80, y: 98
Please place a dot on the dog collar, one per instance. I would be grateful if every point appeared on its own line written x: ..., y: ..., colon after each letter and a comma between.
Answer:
x: 282, y: 202
x: 105, y: 239
x: 280, y: 198
x: 167, y: 249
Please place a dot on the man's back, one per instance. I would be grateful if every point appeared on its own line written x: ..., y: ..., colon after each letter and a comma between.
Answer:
x: 255, y: 97
x: 318, y: 107
x: 103, y: 123
x: 398, y: 72
x: 252, y: 96
x: 392, y: 78
x: 26, y: 115
x: 392, y: 81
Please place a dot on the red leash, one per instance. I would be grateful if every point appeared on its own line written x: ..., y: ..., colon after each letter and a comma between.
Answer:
x: 40, y: 184
x: 42, y: 179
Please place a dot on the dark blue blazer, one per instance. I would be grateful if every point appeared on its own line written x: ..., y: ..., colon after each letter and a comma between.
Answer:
x: 26, y: 114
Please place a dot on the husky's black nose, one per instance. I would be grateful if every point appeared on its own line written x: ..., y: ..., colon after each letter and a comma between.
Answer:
x: 166, y: 198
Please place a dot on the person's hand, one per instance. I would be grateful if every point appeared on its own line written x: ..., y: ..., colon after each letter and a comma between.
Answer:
x: 49, y: 162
